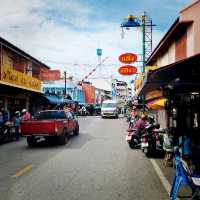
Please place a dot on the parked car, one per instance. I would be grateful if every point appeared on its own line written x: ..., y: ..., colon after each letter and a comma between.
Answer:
x: 54, y: 124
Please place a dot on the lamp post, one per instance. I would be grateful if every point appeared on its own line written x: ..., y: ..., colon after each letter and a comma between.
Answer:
x: 146, y: 24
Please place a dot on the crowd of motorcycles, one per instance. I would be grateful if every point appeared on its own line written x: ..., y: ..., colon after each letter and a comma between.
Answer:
x: 149, y: 139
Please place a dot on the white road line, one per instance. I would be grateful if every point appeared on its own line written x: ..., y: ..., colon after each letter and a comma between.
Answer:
x: 162, y: 177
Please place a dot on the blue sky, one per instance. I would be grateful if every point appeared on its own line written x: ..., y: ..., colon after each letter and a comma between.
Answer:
x: 66, y: 33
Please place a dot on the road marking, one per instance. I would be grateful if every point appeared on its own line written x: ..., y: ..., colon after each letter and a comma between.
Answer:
x: 23, y: 171
x: 162, y: 177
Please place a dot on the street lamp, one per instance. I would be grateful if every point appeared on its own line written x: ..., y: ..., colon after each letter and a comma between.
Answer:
x: 146, y: 24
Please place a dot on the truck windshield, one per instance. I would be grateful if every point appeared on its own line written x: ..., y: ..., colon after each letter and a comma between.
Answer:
x: 108, y: 105
x: 51, y: 115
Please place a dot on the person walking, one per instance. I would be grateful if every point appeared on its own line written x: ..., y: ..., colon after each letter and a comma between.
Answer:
x: 25, y: 115
x: 17, y: 121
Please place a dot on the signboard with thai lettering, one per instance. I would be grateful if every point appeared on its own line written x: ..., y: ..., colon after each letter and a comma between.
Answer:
x: 127, y: 70
x: 14, y: 78
x: 128, y: 58
x: 50, y: 75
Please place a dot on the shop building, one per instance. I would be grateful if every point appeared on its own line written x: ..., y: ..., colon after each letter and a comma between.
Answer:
x: 19, y: 77
x: 171, y: 82
x: 72, y: 89
x: 89, y: 91
x: 121, y: 89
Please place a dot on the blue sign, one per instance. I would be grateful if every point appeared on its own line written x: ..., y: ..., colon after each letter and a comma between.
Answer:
x: 99, y: 52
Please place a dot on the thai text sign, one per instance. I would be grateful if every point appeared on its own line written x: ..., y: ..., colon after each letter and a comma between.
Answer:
x: 18, y: 79
x: 127, y: 70
x: 50, y: 75
x: 128, y: 58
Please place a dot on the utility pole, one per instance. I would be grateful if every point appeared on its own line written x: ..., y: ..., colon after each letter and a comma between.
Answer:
x: 146, y: 25
x: 143, y: 43
x: 145, y: 22
x: 65, y: 77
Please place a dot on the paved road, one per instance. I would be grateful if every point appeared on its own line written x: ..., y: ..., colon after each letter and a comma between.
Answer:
x: 96, y: 165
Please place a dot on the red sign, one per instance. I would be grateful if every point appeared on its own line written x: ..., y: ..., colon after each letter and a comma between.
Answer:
x: 128, y: 58
x: 127, y: 70
x: 50, y: 75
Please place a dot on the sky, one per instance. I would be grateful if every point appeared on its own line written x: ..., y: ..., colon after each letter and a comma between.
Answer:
x: 64, y: 34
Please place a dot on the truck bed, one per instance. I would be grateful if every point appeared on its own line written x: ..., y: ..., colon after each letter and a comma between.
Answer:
x: 39, y: 127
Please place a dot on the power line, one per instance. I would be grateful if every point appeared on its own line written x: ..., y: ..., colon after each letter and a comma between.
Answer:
x: 84, y: 64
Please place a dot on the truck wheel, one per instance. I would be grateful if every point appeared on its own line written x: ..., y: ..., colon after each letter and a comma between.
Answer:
x: 76, y: 131
x: 31, y: 141
x: 62, y: 139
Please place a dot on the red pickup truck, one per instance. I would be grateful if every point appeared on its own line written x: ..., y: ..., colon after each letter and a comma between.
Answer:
x: 48, y: 124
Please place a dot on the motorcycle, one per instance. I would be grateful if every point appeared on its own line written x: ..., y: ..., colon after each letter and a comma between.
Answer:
x: 151, y: 140
x: 133, y: 139
x: 7, y: 132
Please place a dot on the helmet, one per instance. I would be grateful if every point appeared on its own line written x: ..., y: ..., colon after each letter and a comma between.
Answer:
x: 24, y: 110
x: 17, y: 112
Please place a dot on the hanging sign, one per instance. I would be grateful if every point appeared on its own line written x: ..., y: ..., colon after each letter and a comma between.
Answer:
x: 128, y: 58
x: 127, y: 70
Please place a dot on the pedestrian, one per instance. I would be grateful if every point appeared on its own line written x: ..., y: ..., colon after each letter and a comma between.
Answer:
x: 6, y: 115
x: 17, y: 120
x: 25, y: 115
x: 1, y: 119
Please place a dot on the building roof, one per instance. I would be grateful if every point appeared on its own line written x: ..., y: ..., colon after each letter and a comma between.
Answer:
x: 21, y: 52
x: 183, y: 74
x: 59, y: 84
x: 173, y: 30
x: 189, y: 6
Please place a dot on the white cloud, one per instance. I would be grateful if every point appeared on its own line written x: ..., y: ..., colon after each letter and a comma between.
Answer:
x: 51, y: 41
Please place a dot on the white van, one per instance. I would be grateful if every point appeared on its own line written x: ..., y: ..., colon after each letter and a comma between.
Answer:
x: 109, y: 108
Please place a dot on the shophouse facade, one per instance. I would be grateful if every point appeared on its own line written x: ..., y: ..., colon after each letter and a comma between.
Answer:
x: 72, y: 89
x: 121, y: 89
x: 89, y: 91
x: 174, y: 61
x: 19, y: 77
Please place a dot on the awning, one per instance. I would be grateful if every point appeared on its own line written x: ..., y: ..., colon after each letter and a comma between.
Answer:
x: 182, y: 76
x: 53, y: 99
x: 157, y: 104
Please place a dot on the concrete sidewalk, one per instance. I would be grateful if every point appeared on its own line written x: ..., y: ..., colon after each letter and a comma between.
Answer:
x: 169, y: 172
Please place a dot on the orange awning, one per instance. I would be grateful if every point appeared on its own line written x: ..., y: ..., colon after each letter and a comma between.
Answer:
x: 157, y: 104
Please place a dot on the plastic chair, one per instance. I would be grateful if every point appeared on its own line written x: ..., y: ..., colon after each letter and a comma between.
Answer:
x: 183, y: 178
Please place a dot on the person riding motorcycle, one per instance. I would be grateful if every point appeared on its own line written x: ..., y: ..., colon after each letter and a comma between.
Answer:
x: 141, y: 124
x: 134, y: 117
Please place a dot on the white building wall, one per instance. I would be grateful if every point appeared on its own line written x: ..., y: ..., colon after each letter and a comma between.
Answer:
x: 171, y: 53
x: 168, y: 57
x: 190, y: 41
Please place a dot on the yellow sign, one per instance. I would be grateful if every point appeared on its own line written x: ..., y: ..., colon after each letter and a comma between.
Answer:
x: 12, y: 77
x: 138, y: 82
x: 151, y: 68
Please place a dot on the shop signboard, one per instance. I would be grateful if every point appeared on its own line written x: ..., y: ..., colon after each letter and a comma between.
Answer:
x: 127, y: 70
x: 18, y: 79
x: 50, y: 75
x: 128, y: 58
